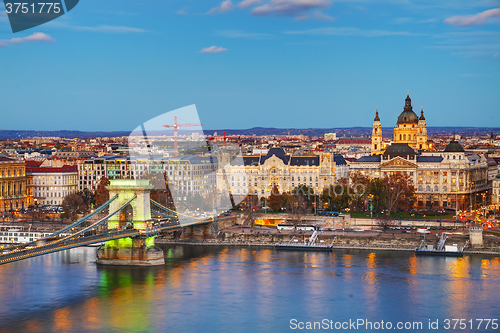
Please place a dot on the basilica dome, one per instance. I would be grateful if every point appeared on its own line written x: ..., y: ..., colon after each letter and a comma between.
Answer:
x: 408, y: 116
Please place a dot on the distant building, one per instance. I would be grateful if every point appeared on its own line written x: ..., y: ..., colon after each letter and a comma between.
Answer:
x: 74, y: 154
x: 193, y: 174
x: 330, y: 136
x: 13, y: 193
x: 51, y: 184
x: 258, y: 174
x: 495, y: 195
x: 348, y: 142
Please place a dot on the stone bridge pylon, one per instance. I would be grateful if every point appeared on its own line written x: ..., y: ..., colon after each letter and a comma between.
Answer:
x: 136, y: 215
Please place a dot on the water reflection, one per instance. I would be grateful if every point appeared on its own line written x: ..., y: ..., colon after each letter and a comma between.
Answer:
x: 218, y: 289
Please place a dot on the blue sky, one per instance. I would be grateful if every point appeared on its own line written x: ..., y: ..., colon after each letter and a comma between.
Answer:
x: 112, y: 65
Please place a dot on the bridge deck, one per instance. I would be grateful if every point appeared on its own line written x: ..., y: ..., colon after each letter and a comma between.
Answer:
x: 69, y: 243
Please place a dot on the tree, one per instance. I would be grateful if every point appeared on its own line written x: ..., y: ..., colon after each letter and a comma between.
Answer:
x: 88, y: 199
x: 377, y: 189
x: 102, y: 193
x: 399, y: 190
x: 357, y: 192
x: 287, y: 201
x: 342, y: 197
x: 72, y: 205
x: 327, y: 196
x: 305, y: 195
x: 275, y: 199
x: 384, y: 222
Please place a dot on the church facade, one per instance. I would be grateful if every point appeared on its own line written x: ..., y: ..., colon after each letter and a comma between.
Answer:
x: 410, y: 129
x: 442, y: 179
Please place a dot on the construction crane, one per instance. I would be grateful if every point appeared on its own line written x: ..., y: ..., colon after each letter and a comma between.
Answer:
x: 176, y: 132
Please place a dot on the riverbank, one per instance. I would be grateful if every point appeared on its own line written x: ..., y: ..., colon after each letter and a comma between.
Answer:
x: 386, y: 242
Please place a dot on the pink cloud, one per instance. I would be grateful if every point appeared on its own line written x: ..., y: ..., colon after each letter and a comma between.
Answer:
x: 224, y: 7
x: 248, y: 3
x: 35, y: 37
x: 289, y: 7
x: 316, y: 16
x: 213, y: 49
x: 479, y: 18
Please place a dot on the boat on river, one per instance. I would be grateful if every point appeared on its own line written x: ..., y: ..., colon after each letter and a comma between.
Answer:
x: 442, y: 249
x: 311, y: 245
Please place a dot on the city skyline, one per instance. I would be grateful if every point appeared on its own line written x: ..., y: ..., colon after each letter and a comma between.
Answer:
x: 283, y: 64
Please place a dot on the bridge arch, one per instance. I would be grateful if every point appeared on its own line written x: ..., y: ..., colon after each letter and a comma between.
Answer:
x: 139, y: 212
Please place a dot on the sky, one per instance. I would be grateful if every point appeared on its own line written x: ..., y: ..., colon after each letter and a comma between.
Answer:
x: 113, y: 65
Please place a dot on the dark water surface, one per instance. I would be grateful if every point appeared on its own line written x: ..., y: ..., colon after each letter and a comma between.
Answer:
x: 217, y: 289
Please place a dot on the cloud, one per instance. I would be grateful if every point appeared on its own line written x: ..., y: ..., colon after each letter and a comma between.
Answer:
x: 213, y: 49
x: 316, y: 16
x: 479, y: 18
x: 402, y: 20
x: 331, y: 31
x: 35, y: 37
x: 248, y: 3
x: 182, y: 11
x: 110, y: 29
x: 289, y: 7
x: 242, y: 34
x: 224, y: 7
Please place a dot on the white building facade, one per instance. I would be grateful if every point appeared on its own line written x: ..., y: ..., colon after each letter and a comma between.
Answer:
x: 51, y: 185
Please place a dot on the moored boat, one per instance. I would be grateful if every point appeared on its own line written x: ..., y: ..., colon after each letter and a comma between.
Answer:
x: 442, y: 249
x: 309, y: 246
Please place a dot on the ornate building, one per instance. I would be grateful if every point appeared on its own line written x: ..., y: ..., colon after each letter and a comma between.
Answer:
x: 13, y: 194
x: 445, y: 179
x: 258, y: 174
x: 410, y: 129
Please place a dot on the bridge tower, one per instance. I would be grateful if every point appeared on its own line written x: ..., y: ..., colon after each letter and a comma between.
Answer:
x: 138, y: 213
x: 139, y: 250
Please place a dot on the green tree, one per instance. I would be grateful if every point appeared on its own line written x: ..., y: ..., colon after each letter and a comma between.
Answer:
x: 377, y: 189
x: 327, y: 197
x: 342, y: 198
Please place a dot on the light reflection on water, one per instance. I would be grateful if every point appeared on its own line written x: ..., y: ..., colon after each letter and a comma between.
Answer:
x: 241, y: 289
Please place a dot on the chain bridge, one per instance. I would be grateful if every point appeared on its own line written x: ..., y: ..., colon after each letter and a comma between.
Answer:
x: 128, y: 230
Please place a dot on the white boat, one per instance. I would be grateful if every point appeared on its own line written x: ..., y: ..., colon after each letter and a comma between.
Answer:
x: 442, y: 249
x: 19, y: 236
x: 309, y: 246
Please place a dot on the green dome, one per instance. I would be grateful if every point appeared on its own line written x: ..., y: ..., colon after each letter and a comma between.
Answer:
x: 408, y: 116
x: 454, y: 147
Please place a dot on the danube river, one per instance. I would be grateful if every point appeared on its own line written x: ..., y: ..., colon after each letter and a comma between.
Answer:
x: 231, y: 289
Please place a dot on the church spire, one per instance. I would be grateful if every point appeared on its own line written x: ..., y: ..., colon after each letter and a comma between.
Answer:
x: 422, y: 114
x: 376, y: 116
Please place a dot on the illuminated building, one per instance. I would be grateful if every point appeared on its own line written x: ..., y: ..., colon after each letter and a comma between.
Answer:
x: 410, y: 129
x: 258, y: 174
x: 51, y: 184
x: 13, y: 194
x: 442, y: 179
